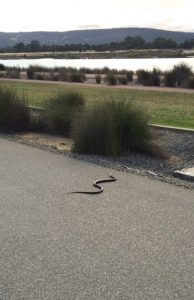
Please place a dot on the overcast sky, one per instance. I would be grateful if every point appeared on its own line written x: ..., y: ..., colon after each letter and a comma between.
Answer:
x: 62, y: 15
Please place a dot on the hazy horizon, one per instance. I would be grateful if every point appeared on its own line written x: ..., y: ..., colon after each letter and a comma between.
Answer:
x: 59, y: 15
x: 93, y: 28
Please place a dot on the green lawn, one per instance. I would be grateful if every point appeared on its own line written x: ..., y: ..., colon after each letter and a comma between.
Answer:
x: 174, y: 109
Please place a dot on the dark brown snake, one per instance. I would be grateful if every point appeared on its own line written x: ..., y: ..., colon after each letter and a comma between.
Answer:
x: 96, y: 185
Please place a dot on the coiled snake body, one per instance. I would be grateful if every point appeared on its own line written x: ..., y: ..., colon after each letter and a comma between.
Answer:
x: 97, y: 185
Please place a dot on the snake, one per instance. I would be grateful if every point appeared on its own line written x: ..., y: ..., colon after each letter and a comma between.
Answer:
x: 97, y: 185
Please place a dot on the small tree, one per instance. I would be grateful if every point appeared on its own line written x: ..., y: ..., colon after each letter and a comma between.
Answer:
x: 182, y: 72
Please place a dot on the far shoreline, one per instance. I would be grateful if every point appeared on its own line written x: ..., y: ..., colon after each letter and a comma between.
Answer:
x: 147, y: 53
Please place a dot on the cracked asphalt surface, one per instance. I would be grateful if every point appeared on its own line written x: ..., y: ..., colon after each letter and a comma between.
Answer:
x: 133, y: 241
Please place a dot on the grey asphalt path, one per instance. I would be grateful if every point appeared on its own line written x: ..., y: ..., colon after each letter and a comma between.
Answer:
x: 134, y: 241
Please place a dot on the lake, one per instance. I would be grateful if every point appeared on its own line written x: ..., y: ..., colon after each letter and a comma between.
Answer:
x: 119, y: 64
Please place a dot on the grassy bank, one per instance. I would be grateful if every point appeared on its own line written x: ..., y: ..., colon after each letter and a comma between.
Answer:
x: 173, y: 109
x: 177, y: 53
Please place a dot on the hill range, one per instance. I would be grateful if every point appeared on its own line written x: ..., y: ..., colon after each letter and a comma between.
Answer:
x: 90, y: 36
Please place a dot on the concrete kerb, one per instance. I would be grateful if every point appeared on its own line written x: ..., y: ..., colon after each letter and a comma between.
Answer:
x: 36, y: 111
x: 176, y: 129
x: 185, y: 174
x: 39, y: 110
x: 34, y: 108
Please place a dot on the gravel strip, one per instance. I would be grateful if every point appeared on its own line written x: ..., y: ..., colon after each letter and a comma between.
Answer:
x: 179, y: 146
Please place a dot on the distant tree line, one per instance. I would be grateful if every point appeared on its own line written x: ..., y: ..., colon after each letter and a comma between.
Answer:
x: 128, y: 43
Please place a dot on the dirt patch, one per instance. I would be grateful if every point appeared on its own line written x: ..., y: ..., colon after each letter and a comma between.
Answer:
x: 59, y: 143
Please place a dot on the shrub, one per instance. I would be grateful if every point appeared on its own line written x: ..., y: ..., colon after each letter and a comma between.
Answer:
x: 178, y: 76
x: 37, y: 72
x: 62, y: 75
x: 77, y: 77
x: 37, y: 68
x: 39, y: 76
x: 142, y: 77
x: 111, y: 79
x: 14, y: 115
x: 98, y: 79
x: 182, y: 72
x: 30, y: 73
x: 129, y: 76
x: 190, y: 83
x: 106, y: 70
x: 148, y: 78
x: 13, y: 74
x: 2, y: 74
x: 2, y: 67
x: 155, y: 77
x: 122, y: 80
x: 111, y: 128
x: 169, y: 79
x: 54, y: 76
x: 62, y: 109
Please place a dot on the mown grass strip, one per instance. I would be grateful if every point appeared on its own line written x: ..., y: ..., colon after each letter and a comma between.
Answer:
x: 165, y: 108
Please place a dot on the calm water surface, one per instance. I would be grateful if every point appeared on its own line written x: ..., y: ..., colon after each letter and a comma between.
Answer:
x: 119, y: 64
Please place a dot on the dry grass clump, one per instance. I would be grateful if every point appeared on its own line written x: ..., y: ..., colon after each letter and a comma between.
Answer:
x: 14, y: 115
x: 62, y: 109
x: 112, y: 128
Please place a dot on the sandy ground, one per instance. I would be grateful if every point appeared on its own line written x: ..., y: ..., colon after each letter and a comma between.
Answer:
x: 44, y: 140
